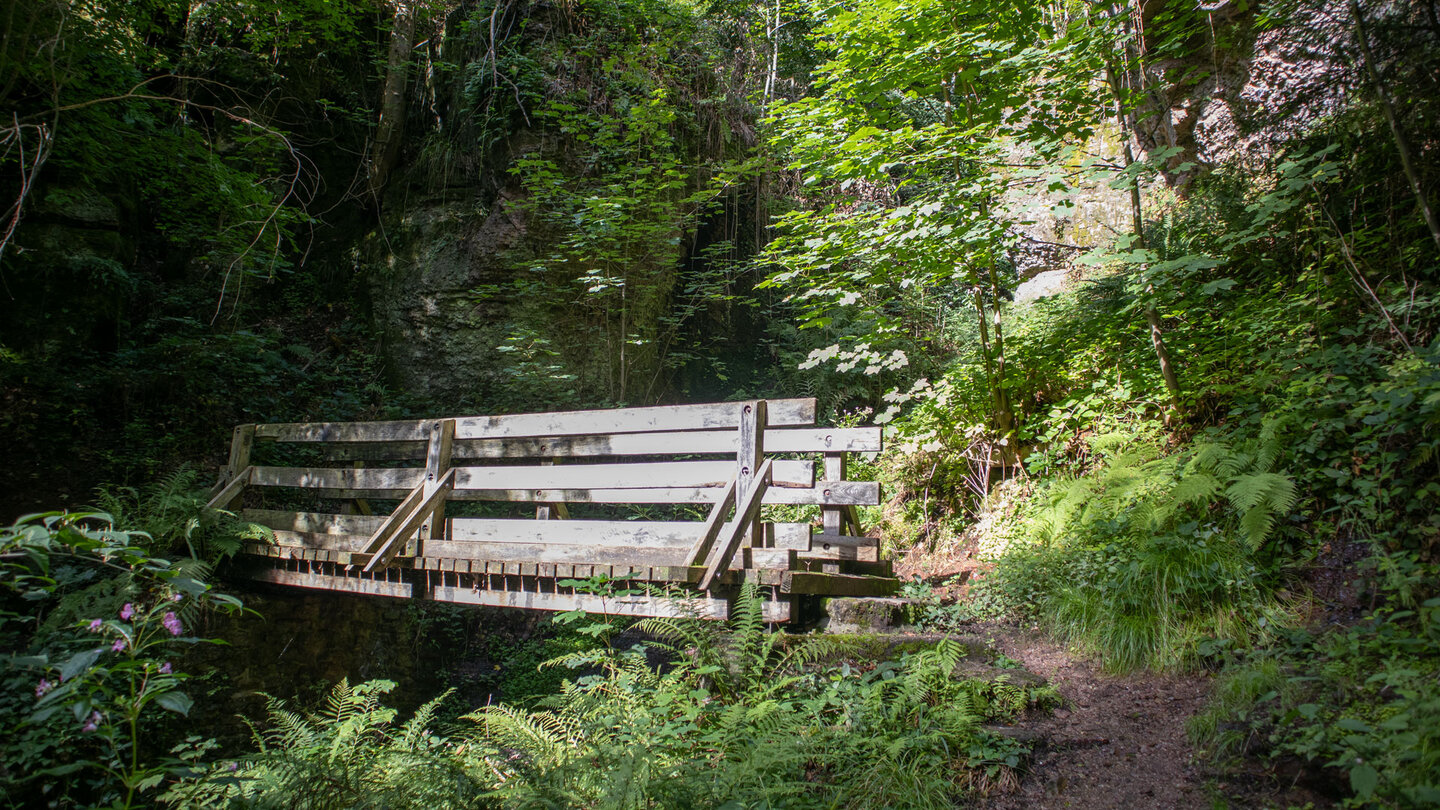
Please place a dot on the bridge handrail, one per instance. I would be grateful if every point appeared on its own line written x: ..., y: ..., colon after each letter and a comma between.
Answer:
x: 472, y: 458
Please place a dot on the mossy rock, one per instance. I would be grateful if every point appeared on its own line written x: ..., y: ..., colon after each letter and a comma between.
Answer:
x: 868, y: 615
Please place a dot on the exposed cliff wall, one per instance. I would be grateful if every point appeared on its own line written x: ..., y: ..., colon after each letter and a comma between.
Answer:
x: 1242, y: 83
x: 530, y: 247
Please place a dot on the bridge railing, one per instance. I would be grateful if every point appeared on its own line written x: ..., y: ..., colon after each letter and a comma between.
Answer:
x: 723, y: 456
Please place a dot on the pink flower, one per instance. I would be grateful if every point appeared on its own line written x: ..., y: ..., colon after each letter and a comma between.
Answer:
x: 43, y: 687
x: 118, y: 645
x: 92, y: 724
x: 95, y: 625
x: 126, y: 612
x: 172, y: 623
x: 165, y: 668
x: 175, y: 597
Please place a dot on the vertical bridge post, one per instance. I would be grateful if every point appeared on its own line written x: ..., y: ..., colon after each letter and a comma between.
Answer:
x: 752, y: 478
x: 237, y: 470
x: 834, y: 517
x: 751, y: 454
x: 437, y: 463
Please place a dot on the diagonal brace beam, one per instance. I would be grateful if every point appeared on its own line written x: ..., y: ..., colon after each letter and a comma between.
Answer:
x: 226, y: 494
x: 711, y: 529
x: 728, y: 541
x: 406, y: 520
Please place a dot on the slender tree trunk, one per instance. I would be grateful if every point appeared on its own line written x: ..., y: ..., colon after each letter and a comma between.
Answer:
x: 392, y: 100
x: 1152, y: 317
x: 1002, y: 415
x: 1387, y: 105
x: 1000, y: 392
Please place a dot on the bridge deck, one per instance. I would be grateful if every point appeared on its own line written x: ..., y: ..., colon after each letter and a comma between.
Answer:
x: 324, y: 535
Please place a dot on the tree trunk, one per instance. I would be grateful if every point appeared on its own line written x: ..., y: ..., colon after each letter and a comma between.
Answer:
x: 1137, y: 223
x: 1387, y: 105
x: 1002, y: 415
x: 391, y: 125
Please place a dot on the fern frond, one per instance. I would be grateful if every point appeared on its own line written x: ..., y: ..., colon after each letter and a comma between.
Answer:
x: 1274, y: 490
x: 1195, y: 488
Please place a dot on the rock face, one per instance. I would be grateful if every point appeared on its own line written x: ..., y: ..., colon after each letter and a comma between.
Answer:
x: 1246, y: 88
x: 424, y: 270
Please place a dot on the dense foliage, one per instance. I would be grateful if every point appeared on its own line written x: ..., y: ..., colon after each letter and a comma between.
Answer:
x: 736, y: 717
x: 1213, y: 444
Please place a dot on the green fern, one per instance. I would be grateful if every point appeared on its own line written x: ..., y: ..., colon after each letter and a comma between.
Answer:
x: 172, y: 512
x: 345, y: 755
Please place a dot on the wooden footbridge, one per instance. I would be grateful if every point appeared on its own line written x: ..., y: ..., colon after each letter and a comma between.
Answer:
x: 538, y: 503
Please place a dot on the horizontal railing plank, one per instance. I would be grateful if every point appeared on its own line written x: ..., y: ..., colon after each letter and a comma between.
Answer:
x: 313, y: 522
x: 691, y: 442
x: 832, y: 493
x: 650, y: 534
x: 558, y: 553
x: 641, y: 476
x: 369, y: 479
x: 567, y: 423
x: 468, y: 535
x: 842, y: 547
x: 645, y: 475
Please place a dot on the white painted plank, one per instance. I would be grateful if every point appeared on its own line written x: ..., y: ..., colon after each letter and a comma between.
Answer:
x: 669, y: 474
x: 630, y: 420
x: 653, y: 475
x: 608, y: 533
x: 564, y: 423
x: 687, y: 442
x: 842, y: 547
x: 836, y: 493
x: 313, y: 522
x: 365, y: 478
x: 556, y: 553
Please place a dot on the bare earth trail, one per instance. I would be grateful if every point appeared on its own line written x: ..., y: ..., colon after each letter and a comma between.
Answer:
x: 1118, y: 742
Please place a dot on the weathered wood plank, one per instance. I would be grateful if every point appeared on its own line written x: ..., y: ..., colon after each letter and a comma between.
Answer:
x: 695, y: 607
x: 364, y: 479
x: 557, y: 553
x: 688, y: 442
x: 646, y: 475
x: 747, y: 508
x: 241, y: 444
x: 838, y: 493
x: 301, y: 579
x: 762, y: 558
x: 833, y: 518
x: 333, y: 542
x: 397, y: 483
x: 630, y: 420
x: 843, y: 547
x: 406, y: 520
x: 550, y: 511
x: 608, y: 533
x: 232, y: 489
x: 749, y: 457
x: 313, y: 522
x: 618, y: 606
x: 564, y: 423
x: 710, y: 529
x: 805, y: 582
x: 437, y: 464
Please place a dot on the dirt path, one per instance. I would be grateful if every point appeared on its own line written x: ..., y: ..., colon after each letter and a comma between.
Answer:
x: 1119, y: 742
